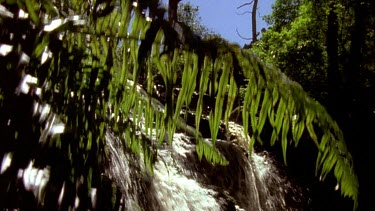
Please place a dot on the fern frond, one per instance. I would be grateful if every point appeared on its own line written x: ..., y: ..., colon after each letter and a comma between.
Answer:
x: 290, y: 113
x: 84, y: 88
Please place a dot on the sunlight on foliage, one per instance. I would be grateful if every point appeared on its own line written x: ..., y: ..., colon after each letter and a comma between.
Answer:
x: 74, y: 64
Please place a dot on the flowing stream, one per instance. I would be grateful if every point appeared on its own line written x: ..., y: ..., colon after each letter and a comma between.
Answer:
x: 182, y: 182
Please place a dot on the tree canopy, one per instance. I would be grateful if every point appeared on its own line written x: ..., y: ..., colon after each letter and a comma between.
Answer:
x: 326, y: 46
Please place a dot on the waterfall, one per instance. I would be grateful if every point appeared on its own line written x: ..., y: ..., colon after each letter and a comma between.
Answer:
x: 177, y: 188
x: 252, y: 181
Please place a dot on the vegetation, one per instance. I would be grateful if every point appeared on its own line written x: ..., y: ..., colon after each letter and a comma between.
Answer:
x: 188, y: 14
x: 253, y: 12
x: 61, y: 89
x: 326, y: 46
x: 295, y: 44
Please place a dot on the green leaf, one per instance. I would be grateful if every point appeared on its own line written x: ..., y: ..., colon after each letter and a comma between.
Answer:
x: 284, y: 137
x: 266, y: 105
x: 280, y: 115
x: 32, y: 6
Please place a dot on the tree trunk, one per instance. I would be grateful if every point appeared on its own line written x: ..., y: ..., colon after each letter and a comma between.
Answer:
x: 359, y: 112
x: 172, y: 10
x: 254, y: 21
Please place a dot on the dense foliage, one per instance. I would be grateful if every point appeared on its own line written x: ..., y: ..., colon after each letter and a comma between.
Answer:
x: 188, y: 14
x: 295, y: 44
x: 327, y: 46
x: 61, y: 89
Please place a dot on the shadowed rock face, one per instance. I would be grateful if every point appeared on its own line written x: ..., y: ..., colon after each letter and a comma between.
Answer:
x: 183, y: 182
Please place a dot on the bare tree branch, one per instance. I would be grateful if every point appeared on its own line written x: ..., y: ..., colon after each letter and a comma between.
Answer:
x: 243, y: 13
x: 242, y: 5
x: 253, y: 18
x: 242, y: 36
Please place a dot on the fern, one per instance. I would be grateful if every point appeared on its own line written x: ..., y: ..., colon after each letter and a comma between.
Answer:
x: 80, y: 68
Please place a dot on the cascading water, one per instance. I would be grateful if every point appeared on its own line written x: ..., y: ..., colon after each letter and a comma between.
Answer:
x: 176, y: 187
x: 182, y: 182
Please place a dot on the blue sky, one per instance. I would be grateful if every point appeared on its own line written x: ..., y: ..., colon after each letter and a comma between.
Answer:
x: 220, y: 16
